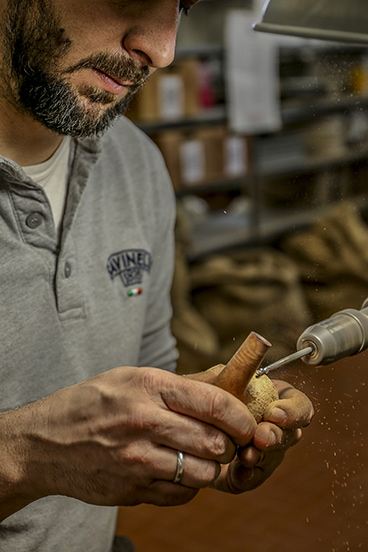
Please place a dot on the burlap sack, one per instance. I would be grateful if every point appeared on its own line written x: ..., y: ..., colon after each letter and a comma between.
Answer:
x: 332, y: 257
x: 253, y: 290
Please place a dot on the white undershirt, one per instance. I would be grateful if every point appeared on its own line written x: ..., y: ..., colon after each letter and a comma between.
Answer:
x: 53, y: 176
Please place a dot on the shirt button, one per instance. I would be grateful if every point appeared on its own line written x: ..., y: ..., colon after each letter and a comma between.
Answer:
x: 34, y: 220
x: 67, y: 270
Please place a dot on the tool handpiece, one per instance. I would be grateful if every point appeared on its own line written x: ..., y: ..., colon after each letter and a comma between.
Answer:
x: 343, y: 334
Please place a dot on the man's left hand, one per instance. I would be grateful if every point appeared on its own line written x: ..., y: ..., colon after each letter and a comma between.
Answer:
x: 280, y: 429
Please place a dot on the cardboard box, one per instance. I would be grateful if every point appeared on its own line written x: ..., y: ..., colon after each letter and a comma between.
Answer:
x: 170, y: 94
x: 160, y: 98
x: 169, y: 143
x: 212, y: 138
x: 203, y: 155
x: 193, y: 162
x: 236, y: 155
x: 189, y: 69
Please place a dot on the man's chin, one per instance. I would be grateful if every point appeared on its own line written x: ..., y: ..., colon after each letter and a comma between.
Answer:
x: 86, y: 118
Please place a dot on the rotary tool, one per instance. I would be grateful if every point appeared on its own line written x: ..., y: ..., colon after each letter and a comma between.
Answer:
x: 343, y: 334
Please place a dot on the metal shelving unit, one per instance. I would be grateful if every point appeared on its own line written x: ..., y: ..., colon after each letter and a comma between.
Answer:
x: 222, y: 231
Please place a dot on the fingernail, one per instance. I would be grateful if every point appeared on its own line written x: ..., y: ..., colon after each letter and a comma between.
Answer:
x: 272, y: 439
x: 277, y: 416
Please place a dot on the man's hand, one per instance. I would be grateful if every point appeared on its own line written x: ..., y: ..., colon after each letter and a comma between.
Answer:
x: 113, y: 440
x: 280, y: 430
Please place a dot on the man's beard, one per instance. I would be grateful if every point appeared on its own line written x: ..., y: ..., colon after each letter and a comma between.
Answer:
x: 34, y: 44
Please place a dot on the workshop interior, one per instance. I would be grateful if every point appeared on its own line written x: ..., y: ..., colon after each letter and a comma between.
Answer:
x: 262, y: 121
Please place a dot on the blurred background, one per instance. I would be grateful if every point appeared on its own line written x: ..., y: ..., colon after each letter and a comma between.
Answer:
x: 266, y: 141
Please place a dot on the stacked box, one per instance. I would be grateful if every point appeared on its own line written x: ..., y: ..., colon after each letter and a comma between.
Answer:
x: 204, y: 155
x: 169, y: 94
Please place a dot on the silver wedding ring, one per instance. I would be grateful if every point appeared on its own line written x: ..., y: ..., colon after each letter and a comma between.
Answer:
x: 179, y: 467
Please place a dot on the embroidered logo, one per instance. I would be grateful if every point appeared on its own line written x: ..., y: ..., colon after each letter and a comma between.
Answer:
x: 130, y: 265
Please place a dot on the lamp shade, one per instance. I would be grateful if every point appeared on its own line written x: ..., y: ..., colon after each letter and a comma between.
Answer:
x: 336, y: 20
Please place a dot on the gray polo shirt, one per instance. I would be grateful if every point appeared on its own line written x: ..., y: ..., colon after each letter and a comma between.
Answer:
x: 98, y: 300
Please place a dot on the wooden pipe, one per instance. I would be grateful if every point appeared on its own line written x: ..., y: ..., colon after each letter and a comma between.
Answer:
x: 238, y: 376
x: 242, y: 366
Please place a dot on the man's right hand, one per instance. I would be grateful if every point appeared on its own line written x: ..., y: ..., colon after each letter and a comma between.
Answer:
x: 113, y: 440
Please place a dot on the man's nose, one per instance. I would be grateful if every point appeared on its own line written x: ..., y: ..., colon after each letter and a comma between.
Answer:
x: 151, y: 38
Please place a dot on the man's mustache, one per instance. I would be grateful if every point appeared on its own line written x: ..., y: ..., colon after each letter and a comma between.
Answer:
x: 116, y: 66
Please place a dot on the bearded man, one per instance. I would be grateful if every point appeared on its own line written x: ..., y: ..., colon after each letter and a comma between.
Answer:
x: 92, y: 414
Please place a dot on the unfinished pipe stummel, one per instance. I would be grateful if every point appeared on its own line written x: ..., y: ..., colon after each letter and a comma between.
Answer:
x: 238, y: 376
